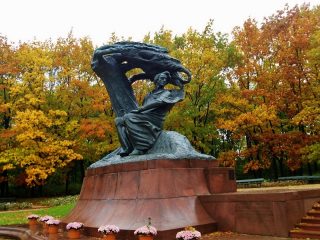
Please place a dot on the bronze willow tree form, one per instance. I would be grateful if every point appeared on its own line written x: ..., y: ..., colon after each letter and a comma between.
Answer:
x: 139, y: 127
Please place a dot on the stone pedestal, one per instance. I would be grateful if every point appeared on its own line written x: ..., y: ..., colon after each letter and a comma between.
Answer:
x: 271, y: 212
x: 166, y: 190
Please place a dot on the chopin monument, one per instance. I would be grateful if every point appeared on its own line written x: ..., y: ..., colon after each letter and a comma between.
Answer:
x: 154, y: 173
x: 140, y: 127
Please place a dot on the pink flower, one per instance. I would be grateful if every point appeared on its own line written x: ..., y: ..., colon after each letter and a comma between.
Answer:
x: 33, y: 216
x: 45, y: 218
x: 74, y: 225
x: 107, y: 229
x: 188, y: 235
x: 146, y: 230
x: 53, y: 222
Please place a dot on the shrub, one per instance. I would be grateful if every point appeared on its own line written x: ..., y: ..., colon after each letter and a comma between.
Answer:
x: 15, y: 206
x: 59, y: 201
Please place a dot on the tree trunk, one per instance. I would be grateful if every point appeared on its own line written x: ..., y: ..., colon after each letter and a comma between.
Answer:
x: 275, y: 168
x: 40, y: 188
x: 309, y: 169
x: 281, y: 167
x: 67, y: 183
x: 315, y: 166
x: 82, y: 172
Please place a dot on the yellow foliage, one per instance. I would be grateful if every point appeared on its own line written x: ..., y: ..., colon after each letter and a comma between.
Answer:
x: 58, y: 117
x: 42, y: 150
x: 227, y: 159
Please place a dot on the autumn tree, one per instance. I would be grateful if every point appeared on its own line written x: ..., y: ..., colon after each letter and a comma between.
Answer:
x: 207, y: 55
x: 309, y: 116
x: 8, y: 72
x: 40, y: 148
x: 79, y: 92
x: 271, y: 84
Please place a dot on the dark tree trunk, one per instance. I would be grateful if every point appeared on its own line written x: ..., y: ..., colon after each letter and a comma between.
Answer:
x: 4, y: 185
x: 254, y: 174
x: 275, y: 168
x: 82, y: 172
x: 315, y: 166
x: 67, y: 183
x: 40, y: 190
x: 281, y: 167
x: 309, y: 169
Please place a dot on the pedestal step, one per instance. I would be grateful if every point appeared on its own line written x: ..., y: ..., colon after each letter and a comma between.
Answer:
x: 314, y: 213
x: 299, y: 233
x: 309, y: 227
x: 308, y: 219
x: 316, y: 207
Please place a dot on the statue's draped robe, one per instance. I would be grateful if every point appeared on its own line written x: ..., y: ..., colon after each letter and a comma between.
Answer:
x: 144, y: 127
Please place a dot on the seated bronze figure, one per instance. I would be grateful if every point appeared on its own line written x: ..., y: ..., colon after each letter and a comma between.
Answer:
x: 139, y: 129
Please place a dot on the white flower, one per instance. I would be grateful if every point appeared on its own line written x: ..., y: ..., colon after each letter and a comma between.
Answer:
x: 74, y: 225
x: 53, y: 222
x: 188, y: 235
x: 146, y: 230
x: 107, y: 229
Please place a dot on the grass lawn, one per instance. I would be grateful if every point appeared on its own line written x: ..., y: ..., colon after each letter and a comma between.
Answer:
x: 20, y: 217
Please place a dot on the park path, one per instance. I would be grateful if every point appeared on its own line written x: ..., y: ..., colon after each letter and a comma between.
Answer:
x: 292, y: 187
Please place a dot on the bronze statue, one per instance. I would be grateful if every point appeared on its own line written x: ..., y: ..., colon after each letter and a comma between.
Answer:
x: 139, y: 127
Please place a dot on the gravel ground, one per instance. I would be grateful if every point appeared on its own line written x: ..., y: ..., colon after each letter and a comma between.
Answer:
x: 236, y: 236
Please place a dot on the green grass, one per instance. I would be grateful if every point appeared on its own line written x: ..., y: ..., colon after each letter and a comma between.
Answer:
x: 20, y: 217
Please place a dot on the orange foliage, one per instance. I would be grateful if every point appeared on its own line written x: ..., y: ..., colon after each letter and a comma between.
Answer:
x: 273, y: 88
x: 95, y: 128
x: 227, y: 159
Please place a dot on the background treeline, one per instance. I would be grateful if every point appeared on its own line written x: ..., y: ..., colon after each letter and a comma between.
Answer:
x: 253, y: 103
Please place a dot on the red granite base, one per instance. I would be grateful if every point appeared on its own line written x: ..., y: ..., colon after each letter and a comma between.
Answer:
x: 268, y: 212
x: 180, y: 193
x: 165, y: 190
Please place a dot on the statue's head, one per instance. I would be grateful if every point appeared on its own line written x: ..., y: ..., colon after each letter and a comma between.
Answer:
x: 162, y: 79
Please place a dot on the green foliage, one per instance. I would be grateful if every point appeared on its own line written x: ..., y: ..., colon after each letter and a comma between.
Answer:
x: 207, y: 56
